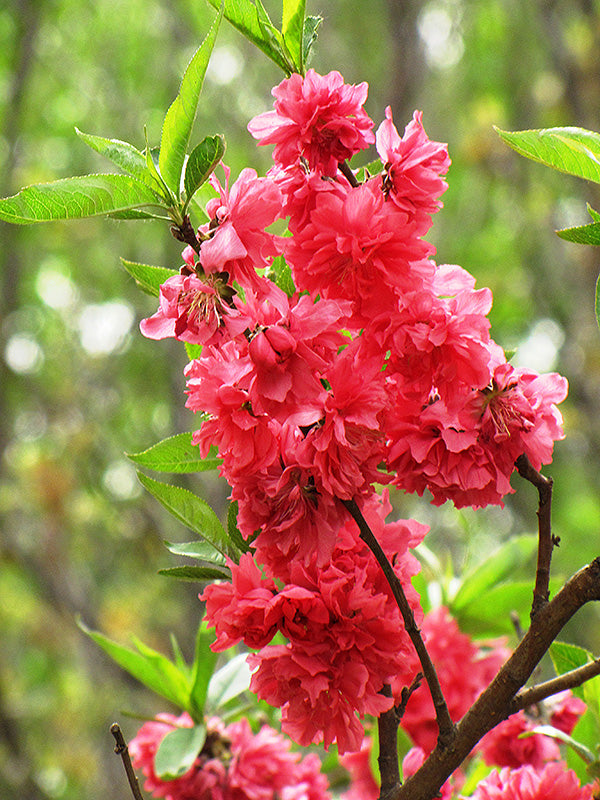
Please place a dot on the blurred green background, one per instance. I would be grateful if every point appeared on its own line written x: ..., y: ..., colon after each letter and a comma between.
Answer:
x: 79, y: 385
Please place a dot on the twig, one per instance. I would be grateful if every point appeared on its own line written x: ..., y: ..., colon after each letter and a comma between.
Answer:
x: 546, y: 541
x: 495, y: 703
x: 442, y: 715
x: 344, y: 168
x: 406, y: 694
x: 535, y: 694
x: 122, y: 750
x: 185, y: 233
x: 389, y: 768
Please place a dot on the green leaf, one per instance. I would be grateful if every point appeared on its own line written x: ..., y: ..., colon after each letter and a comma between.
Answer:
x: 124, y: 155
x: 196, y: 573
x: 593, y: 214
x: 233, y: 531
x: 572, y: 150
x: 281, y: 274
x: 370, y: 169
x: 493, y: 617
x: 499, y: 566
x: 554, y: 733
x: 309, y: 37
x: 202, y: 161
x: 177, y: 752
x: 149, y: 667
x: 204, y: 551
x: 176, y: 454
x: 133, y: 213
x: 193, y: 350
x: 148, y: 278
x: 566, y: 657
x: 192, y: 511
x: 76, y: 198
x: 178, y: 123
x: 586, y: 732
x: 250, y: 22
x: 292, y: 28
x: 204, y: 665
x: 582, y: 234
x: 230, y: 681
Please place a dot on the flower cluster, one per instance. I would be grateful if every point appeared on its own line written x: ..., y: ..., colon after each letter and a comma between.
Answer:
x: 234, y: 764
x: 379, y: 369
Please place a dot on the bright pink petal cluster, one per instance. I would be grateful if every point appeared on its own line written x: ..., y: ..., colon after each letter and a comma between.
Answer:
x: 318, y: 118
x: 553, y: 782
x: 464, y: 669
x: 234, y: 764
x: 504, y: 745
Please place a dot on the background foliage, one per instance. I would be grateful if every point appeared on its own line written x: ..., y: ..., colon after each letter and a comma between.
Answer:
x: 79, y: 385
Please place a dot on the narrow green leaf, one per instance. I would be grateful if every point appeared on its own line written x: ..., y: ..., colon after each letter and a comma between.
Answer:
x: 124, y: 155
x: 554, y: 733
x: 178, y: 123
x: 370, y: 169
x: 204, y: 665
x: 191, y: 510
x: 177, y: 752
x: 147, y: 666
x: 180, y: 662
x: 176, y: 454
x: 204, y: 551
x: 575, y: 151
x: 245, y: 17
x: 587, y: 732
x: 292, y: 28
x: 499, y: 566
x: 281, y: 274
x: 593, y: 214
x: 134, y: 213
x: 202, y: 161
x: 193, y: 350
x: 582, y: 234
x: 309, y: 37
x: 197, y: 573
x: 148, y: 278
x: 230, y: 681
x: 76, y: 198
x: 233, y: 531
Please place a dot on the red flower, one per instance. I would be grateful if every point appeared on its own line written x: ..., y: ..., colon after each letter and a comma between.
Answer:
x: 553, y: 782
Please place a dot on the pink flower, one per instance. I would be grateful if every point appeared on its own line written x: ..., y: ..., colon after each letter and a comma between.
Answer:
x: 565, y: 709
x: 318, y: 117
x: 360, y: 248
x: 553, y: 782
x: 413, y: 165
x: 238, y: 242
x: 363, y: 784
x: 503, y: 746
x: 464, y: 669
x: 414, y: 760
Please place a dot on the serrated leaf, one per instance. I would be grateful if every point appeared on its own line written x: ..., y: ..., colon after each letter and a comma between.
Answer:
x: 147, y: 277
x: 233, y: 531
x: 566, y: 657
x: 124, y: 155
x: 192, y: 511
x: 179, y: 120
x: 77, y: 198
x: 177, y: 455
x: 202, y: 162
x: 149, y: 667
x: 593, y: 214
x: 292, y: 28
x: 575, y: 151
x: 309, y: 37
x: 281, y: 274
x: 245, y: 17
x: 230, y: 681
x: 197, y: 573
x: 178, y: 751
x: 132, y: 213
x: 582, y: 234
x: 204, y: 664
x: 499, y: 566
x: 201, y: 550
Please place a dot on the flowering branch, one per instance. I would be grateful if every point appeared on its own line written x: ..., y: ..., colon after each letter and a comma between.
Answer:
x: 546, y: 541
x: 446, y: 730
x: 496, y: 702
x: 122, y: 750
x: 535, y: 694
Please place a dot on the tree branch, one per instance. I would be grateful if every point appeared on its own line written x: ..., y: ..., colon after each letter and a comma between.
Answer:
x: 344, y: 168
x: 122, y: 750
x: 445, y: 725
x: 535, y: 694
x: 185, y: 233
x: 387, y: 759
x: 546, y: 542
x: 496, y: 702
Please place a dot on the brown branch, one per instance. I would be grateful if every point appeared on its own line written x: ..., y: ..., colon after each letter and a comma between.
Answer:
x: 122, y: 750
x: 546, y: 542
x: 442, y: 715
x: 535, y: 694
x: 406, y: 694
x: 389, y: 768
x: 344, y: 168
x: 185, y: 233
x: 496, y: 702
